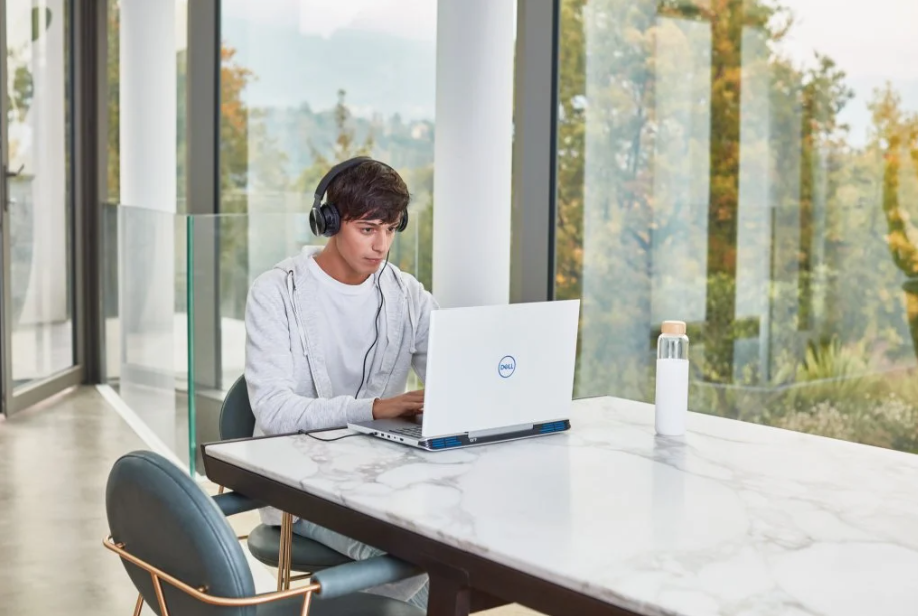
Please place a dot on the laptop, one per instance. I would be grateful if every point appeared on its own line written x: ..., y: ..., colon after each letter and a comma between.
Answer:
x: 494, y: 373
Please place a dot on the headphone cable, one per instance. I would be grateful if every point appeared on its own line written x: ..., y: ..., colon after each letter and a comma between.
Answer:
x: 363, y: 374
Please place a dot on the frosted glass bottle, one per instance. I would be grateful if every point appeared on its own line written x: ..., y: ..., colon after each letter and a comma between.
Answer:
x: 671, y: 396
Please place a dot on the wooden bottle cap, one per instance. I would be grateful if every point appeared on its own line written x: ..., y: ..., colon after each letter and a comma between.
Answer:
x: 674, y: 327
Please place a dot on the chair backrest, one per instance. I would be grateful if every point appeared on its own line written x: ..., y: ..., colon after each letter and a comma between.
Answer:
x: 162, y: 517
x: 236, y: 417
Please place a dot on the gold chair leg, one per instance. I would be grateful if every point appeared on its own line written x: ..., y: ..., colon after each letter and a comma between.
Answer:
x: 306, y: 601
x: 288, y: 550
x: 288, y: 564
x: 280, y: 554
x: 139, y: 605
x: 221, y: 490
x: 283, y: 553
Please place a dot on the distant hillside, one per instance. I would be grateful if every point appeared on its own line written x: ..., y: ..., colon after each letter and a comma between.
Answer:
x: 381, y: 73
x: 297, y: 131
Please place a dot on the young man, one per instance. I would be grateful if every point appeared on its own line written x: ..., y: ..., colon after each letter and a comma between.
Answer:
x: 331, y: 335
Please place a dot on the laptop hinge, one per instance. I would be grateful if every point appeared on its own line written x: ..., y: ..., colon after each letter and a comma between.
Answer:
x: 502, y: 430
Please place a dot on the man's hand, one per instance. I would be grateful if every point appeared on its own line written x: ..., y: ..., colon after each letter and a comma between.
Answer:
x: 405, y: 405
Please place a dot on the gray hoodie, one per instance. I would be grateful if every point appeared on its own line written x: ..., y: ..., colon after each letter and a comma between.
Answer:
x: 285, y: 371
x: 288, y: 383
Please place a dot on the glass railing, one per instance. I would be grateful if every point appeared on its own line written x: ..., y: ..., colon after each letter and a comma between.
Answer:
x: 175, y: 289
x: 226, y: 254
x: 145, y: 316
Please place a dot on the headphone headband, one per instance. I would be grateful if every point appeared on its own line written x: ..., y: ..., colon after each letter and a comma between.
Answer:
x: 334, y: 172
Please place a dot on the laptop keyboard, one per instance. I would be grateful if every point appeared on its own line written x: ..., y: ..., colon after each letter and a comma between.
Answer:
x: 412, y: 431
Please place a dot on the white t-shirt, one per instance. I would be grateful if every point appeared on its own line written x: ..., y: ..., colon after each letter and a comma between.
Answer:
x: 348, y: 329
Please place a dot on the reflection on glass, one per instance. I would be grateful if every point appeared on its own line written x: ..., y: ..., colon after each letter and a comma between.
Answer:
x: 38, y: 78
x: 152, y: 329
x: 747, y: 167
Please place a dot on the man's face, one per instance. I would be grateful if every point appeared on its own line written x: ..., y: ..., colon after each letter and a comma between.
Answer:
x: 364, y: 243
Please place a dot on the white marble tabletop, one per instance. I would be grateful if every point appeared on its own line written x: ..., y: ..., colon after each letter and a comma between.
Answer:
x: 732, y: 519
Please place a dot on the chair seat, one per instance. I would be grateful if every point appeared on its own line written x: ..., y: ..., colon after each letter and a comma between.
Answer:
x: 358, y: 604
x: 308, y: 555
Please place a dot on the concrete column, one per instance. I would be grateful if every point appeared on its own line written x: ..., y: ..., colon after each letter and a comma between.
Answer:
x: 473, y: 152
x: 148, y: 108
x: 148, y: 226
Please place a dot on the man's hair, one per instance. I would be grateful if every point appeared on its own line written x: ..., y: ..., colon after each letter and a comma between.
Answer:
x: 369, y: 191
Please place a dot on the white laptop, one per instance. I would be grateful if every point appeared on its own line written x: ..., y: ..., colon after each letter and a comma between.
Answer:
x: 494, y: 373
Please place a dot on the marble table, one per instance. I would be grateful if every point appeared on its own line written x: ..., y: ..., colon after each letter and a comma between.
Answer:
x: 731, y: 519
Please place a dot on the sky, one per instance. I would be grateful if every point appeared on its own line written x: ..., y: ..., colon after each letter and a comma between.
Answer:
x: 412, y: 19
x: 873, y: 42
x: 875, y: 38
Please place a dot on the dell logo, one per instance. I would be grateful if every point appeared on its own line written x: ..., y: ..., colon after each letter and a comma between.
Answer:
x: 506, y: 367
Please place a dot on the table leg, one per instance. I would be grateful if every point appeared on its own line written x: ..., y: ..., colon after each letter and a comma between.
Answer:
x: 448, y: 597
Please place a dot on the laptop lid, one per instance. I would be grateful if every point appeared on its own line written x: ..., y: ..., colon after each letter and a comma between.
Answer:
x: 491, y: 367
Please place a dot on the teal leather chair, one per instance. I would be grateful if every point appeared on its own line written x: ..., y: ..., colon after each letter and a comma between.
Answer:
x: 184, y: 559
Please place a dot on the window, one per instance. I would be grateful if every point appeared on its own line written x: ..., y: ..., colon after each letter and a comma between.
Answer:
x: 307, y: 83
x: 749, y: 167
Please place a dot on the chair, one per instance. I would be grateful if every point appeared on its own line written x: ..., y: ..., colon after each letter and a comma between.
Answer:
x: 184, y: 558
x: 273, y: 546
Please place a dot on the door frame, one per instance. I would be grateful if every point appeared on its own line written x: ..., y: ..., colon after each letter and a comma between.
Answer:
x: 15, y: 399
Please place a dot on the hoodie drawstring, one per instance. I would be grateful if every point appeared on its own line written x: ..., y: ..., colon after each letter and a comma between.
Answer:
x: 411, y: 316
x: 291, y: 293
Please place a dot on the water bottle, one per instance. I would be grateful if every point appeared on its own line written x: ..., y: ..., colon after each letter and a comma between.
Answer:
x: 671, y: 398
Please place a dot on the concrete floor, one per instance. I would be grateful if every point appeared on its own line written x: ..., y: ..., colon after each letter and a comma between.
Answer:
x: 54, y: 462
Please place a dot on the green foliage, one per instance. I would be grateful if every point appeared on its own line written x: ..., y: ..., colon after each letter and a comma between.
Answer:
x: 798, y: 310
x: 829, y: 360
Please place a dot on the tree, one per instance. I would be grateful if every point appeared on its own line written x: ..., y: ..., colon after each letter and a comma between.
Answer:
x: 343, y: 148
x: 572, y: 99
x: 611, y: 63
x: 113, y: 68
x: 234, y: 132
x: 897, y: 136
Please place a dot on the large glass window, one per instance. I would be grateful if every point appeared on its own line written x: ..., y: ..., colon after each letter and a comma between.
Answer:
x: 307, y: 83
x: 750, y: 167
x: 38, y: 74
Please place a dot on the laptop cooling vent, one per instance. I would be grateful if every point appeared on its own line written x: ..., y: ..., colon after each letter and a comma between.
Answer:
x: 442, y: 443
x: 552, y: 427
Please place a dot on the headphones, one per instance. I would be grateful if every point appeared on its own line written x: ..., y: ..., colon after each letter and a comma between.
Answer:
x: 324, y: 218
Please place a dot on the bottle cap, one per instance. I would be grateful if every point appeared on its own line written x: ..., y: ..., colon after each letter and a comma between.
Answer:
x: 673, y: 327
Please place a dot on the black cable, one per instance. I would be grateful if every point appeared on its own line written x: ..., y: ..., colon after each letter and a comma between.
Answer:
x: 363, y: 374
x: 329, y: 440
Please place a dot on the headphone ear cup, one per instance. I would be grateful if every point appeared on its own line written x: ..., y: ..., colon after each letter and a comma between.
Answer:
x: 403, y: 224
x: 332, y: 219
x: 316, y: 221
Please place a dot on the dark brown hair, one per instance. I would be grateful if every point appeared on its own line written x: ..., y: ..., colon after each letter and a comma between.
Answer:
x: 369, y: 191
